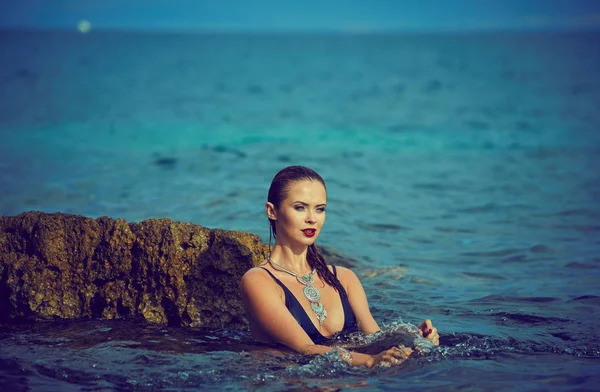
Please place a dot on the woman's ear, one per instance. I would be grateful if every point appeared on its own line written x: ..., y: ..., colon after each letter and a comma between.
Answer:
x: 271, y: 212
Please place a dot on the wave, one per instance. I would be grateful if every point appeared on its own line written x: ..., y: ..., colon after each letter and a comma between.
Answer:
x: 150, y: 357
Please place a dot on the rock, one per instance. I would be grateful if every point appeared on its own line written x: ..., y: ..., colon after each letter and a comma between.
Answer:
x: 68, y: 266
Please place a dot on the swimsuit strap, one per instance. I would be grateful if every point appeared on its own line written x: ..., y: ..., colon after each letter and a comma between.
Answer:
x: 349, y: 318
x: 292, y: 304
x: 273, y: 276
x: 296, y: 309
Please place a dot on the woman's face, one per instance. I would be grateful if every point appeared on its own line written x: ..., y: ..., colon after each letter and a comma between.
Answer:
x: 301, y: 215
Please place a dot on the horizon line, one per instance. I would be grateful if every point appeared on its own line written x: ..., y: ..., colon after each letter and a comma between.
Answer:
x: 306, y: 31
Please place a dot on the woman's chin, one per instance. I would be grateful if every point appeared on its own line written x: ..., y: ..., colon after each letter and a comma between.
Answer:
x: 309, y: 240
x: 304, y: 240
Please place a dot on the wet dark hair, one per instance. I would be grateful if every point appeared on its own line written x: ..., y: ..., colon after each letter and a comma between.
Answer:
x: 277, y: 193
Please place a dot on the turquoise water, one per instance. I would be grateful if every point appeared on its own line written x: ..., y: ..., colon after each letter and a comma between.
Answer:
x: 461, y: 174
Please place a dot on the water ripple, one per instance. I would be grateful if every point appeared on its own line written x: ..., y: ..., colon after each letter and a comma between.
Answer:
x: 498, y: 299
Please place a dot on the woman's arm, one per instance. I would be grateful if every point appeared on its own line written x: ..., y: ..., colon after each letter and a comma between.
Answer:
x: 360, y: 307
x: 264, y: 304
x: 358, y: 300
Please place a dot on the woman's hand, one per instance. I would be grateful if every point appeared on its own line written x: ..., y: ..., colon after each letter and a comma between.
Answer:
x: 393, y: 356
x: 430, y: 332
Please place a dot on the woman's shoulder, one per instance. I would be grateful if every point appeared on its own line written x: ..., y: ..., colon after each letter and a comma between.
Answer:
x: 343, y: 273
x: 255, y: 272
x: 256, y: 280
x: 339, y: 269
x: 256, y: 275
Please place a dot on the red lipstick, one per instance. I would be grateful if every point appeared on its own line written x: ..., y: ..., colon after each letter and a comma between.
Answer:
x: 309, y: 232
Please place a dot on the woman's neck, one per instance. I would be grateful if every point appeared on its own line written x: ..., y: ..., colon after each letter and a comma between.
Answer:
x: 291, y: 259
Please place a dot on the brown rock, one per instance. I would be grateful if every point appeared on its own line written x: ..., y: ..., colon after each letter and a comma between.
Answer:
x: 68, y: 266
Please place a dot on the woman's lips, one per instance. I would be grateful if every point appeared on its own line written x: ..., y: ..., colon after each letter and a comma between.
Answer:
x: 309, y: 232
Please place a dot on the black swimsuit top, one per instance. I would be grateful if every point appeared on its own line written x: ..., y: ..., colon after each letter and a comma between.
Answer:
x: 292, y: 304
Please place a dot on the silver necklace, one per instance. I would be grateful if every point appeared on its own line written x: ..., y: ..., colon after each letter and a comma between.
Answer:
x: 310, y: 292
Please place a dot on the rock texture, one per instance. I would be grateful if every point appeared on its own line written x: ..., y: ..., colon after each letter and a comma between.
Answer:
x: 68, y: 266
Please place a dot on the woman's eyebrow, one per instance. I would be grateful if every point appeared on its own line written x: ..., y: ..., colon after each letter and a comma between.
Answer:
x: 306, y: 204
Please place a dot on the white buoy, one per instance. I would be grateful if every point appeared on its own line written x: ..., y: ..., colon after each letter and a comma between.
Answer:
x: 84, y: 26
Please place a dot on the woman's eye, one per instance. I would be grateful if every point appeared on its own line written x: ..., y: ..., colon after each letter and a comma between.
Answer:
x: 299, y: 208
x: 321, y: 209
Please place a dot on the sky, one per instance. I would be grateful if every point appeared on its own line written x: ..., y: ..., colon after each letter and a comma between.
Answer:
x: 303, y: 15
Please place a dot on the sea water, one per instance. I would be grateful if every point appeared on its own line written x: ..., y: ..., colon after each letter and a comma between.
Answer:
x: 462, y: 176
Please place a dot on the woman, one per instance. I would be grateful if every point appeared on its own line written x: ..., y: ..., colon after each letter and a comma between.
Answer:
x: 294, y: 297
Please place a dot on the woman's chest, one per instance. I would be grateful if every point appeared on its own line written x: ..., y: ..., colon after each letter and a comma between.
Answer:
x: 311, y: 298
